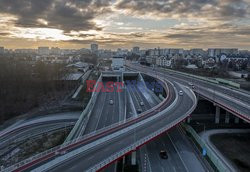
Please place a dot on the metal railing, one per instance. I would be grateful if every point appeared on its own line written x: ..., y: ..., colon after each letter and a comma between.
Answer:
x: 141, y: 141
x: 83, y: 119
x: 71, y: 142
x: 211, y: 155
x: 221, y: 103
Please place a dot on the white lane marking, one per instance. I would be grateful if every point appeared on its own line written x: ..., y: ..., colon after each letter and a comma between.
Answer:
x: 178, y: 152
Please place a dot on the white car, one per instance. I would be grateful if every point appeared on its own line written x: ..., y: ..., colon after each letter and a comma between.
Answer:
x: 141, y: 103
x: 111, y: 102
x: 181, y: 93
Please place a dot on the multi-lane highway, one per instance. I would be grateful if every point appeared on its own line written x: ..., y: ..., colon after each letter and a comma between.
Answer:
x: 100, y: 149
x: 234, y: 101
x: 181, y: 155
x: 104, y: 113
x: 89, y: 159
x: 33, y: 126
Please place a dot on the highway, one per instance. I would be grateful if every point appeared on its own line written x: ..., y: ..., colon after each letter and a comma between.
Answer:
x: 181, y: 156
x: 89, y: 159
x: 103, y: 146
x: 234, y: 101
x: 103, y: 113
x: 33, y: 126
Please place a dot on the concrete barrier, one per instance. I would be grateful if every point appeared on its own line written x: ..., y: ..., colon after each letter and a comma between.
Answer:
x: 221, y: 167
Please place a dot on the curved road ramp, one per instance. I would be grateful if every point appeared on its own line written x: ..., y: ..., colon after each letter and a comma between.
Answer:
x: 96, y: 150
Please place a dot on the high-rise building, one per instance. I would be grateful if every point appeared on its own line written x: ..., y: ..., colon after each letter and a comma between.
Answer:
x: 43, y: 50
x: 136, y: 50
x: 1, y: 50
x: 94, y: 47
x: 214, y: 52
x: 55, y: 51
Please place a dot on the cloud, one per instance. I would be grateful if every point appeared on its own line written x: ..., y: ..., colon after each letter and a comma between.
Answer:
x: 60, y: 14
x: 209, y: 9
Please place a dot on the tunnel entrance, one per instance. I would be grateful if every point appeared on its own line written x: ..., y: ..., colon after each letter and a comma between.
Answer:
x: 110, y: 78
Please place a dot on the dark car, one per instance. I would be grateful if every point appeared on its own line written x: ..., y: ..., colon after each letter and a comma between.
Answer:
x: 163, y: 154
x: 139, y: 111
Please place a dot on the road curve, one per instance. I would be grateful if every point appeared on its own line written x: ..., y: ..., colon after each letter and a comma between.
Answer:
x: 234, y: 101
x: 98, y: 150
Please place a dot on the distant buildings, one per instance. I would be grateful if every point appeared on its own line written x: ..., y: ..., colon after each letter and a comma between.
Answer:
x: 25, y: 51
x: 94, y: 48
x: 164, y: 61
x: 136, y: 50
x: 197, y: 52
x: 122, y: 52
x: 1, y: 50
x: 55, y: 51
x: 215, y: 52
x: 43, y: 50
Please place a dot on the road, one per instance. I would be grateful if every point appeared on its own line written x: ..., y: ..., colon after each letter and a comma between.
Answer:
x: 105, y: 143
x: 206, y: 137
x: 234, y: 101
x: 89, y: 158
x: 181, y: 156
x: 105, y: 114
x: 33, y: 126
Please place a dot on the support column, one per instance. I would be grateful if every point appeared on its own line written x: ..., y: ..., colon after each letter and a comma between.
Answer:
x: 188, y: 119
x: 123, y: 163
x: 227, y: 117
x: 236, y: 120
x: 217, y: 115
x: 133, y: 158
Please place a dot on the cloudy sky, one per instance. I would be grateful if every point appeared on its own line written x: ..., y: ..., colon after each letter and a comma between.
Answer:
x: 125, y: 23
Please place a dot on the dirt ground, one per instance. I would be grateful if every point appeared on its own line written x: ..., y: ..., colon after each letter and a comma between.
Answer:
x: 235, y: 147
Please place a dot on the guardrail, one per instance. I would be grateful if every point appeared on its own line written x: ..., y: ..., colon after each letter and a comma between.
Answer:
x: 77, y: 142
x: 226, y: 82
x: 211, y: 155
x: 104, y: 139
x: 214, y: 81
x: 223, y: 105
x: 15, y: 140
x: 144, y: 140
x: 83, y: 119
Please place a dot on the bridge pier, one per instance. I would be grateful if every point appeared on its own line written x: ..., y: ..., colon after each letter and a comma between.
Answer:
x: 133, y: 158
x: 217, y: 115
x: 227, y: 117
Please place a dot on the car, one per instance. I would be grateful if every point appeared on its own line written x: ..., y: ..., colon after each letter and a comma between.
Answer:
x: 60, y: 152
x: 190, y: 84
x: 139, y: 111
x: 181, y: 93
x: 111, y: 102
x: 163, y: 154
x: 193, y: 87
x: 141, y: 103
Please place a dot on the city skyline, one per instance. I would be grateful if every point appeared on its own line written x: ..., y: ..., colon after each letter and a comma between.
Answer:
x: 125, y: 23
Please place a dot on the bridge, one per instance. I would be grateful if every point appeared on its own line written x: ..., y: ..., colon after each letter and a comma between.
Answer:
x: 94, y: 150
x: 235, y: 101
x: 98, y: 138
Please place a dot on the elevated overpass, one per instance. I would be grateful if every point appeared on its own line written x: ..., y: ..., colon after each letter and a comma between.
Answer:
x: 97, y: 149
x: 232, y: 100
